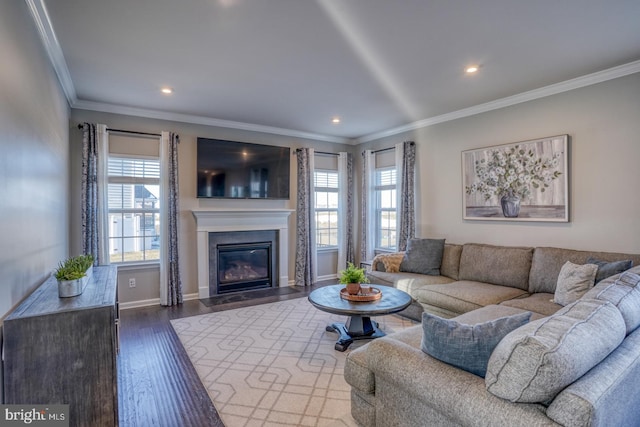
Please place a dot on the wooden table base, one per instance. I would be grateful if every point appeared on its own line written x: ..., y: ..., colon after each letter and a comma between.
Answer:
x: 356, y: 328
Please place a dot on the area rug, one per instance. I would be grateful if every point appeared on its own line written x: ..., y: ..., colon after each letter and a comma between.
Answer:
x: 273, y: 364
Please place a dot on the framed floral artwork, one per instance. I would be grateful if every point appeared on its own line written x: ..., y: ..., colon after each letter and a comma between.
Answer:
x: 522, y: 181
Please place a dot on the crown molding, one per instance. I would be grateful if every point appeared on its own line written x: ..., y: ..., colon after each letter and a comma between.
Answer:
x: 588, y: 80
x: 54, y: 51
x: 50, y: 41
x: 200, y: 120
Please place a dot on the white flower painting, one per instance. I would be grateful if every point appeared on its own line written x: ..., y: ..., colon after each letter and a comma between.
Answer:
x: 523, y: 181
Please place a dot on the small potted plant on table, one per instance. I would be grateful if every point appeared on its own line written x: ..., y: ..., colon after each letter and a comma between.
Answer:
x: 73, y: 274
x: 352, y: 277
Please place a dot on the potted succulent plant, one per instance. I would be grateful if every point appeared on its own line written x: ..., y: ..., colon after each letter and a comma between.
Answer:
x: 352, y: 277
x: 73, y: 274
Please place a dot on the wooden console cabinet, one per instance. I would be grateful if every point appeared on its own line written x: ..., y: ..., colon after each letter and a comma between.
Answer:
x: 63, y: 350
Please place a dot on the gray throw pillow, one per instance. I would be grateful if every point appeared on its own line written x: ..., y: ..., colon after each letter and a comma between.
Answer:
x: 535, y: 362
x: 423, y: 256
x: 574, y: 281
x: 464, y: 346
x: 608, y: 269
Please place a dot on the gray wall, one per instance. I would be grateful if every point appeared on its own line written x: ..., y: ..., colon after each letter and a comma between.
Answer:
x: 147, y: 285
x: 34, y: 160
x: 603, y: 121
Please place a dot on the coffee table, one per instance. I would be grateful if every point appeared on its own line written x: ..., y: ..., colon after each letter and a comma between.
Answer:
x: 359, y: 324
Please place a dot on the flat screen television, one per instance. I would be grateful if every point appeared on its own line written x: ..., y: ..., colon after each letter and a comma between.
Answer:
x: 240, y: 170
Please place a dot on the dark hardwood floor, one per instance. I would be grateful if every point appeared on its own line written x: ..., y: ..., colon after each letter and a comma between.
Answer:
x: 157, y: 385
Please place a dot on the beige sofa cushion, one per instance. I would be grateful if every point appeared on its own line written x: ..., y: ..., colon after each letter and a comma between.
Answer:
x: 500, y: 265
x: 356, y: 369
x: 465, y: 295
x: 547, y: 262
x: 407, y: 282
x: 540, y: 304
x: 451, y: 261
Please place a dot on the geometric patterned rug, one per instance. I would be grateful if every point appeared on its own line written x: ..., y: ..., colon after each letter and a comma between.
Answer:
x: 274, y: 364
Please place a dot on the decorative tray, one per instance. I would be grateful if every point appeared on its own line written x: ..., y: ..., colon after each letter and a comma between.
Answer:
x: 375, y: 294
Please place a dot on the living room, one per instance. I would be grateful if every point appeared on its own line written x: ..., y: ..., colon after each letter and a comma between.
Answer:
x: 597, y: 108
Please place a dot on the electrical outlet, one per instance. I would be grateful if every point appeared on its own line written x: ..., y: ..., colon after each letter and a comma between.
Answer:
x: 132, y: 283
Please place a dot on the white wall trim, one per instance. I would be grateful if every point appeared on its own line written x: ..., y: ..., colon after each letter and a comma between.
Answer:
x: 216, y: 220
x: 328, y: 277
x: 589, y: 79
x: 201, y: 120
x: 54, y: 51
x: 152, y: 301
x: 52, y: 46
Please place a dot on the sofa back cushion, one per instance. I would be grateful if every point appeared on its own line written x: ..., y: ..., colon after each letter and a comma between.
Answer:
x: 499, y: 265
x: 623, y: 291
x: 451, y: 261
x: 536, y: 361
x: 547, y: 262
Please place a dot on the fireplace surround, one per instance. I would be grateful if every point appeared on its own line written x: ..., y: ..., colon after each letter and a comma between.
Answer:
x: 226, y: 220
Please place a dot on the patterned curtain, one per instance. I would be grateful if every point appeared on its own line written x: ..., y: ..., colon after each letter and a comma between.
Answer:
x: 90, y: 235
x: 305, y: 268
x: 405, y: 165
x: 350, y: 242
x: 367, y: 220
x: 345, y: 210
x: 95, y: 157
x: 170, y: 264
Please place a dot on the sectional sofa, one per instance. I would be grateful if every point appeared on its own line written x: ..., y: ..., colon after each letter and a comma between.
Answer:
x: 396, y: 383
x: 475, y: 275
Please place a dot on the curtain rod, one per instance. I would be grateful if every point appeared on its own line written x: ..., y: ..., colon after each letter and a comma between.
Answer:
x: 388, y: 148
x: 317, y: 152
x: 80, y: 126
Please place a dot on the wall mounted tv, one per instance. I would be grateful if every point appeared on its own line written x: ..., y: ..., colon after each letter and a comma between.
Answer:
x: 240, y: 170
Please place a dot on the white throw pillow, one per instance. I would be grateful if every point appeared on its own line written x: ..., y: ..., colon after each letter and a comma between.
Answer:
x: 574, y: 281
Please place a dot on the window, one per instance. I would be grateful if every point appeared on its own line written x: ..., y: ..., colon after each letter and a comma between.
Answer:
x: 385, y: 206
x: 326, y: 197
x: 134, y: 209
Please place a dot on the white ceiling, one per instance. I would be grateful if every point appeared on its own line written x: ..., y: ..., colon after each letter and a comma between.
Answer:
x: 289, y: 66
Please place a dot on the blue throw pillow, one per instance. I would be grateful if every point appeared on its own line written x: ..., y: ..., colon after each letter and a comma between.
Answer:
x: 464, y: 346
x: 608, y: 269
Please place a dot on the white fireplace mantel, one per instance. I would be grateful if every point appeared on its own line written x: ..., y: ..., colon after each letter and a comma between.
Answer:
x: 217, y: 220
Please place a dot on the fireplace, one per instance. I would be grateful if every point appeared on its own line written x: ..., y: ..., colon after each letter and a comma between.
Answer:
x: 242, y: 260
x: 222, y: 220
x: 243, y: 267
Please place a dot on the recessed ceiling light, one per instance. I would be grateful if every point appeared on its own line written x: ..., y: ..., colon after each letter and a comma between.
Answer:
x: 472, y: 69
x: 166, y: 90
x: 335, y: 120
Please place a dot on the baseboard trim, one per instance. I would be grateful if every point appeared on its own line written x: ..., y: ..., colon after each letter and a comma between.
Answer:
x: 153, y: 301
x: 319, y: 279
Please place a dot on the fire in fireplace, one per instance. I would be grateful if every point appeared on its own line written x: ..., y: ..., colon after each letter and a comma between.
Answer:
x: 244, y: 266
x: 242, y: 260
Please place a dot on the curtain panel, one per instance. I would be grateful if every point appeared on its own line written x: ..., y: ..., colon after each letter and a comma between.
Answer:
x: 345, y: 210
x: 405, y: 168
x: 171, y: 284
x: 306, y: 254
x: 367, y: 220
x: 95, y: 157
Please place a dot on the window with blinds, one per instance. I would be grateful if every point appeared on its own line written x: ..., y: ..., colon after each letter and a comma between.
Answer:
x: 134, y: 209
x: 326, y: 207
x: 386, y: 209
